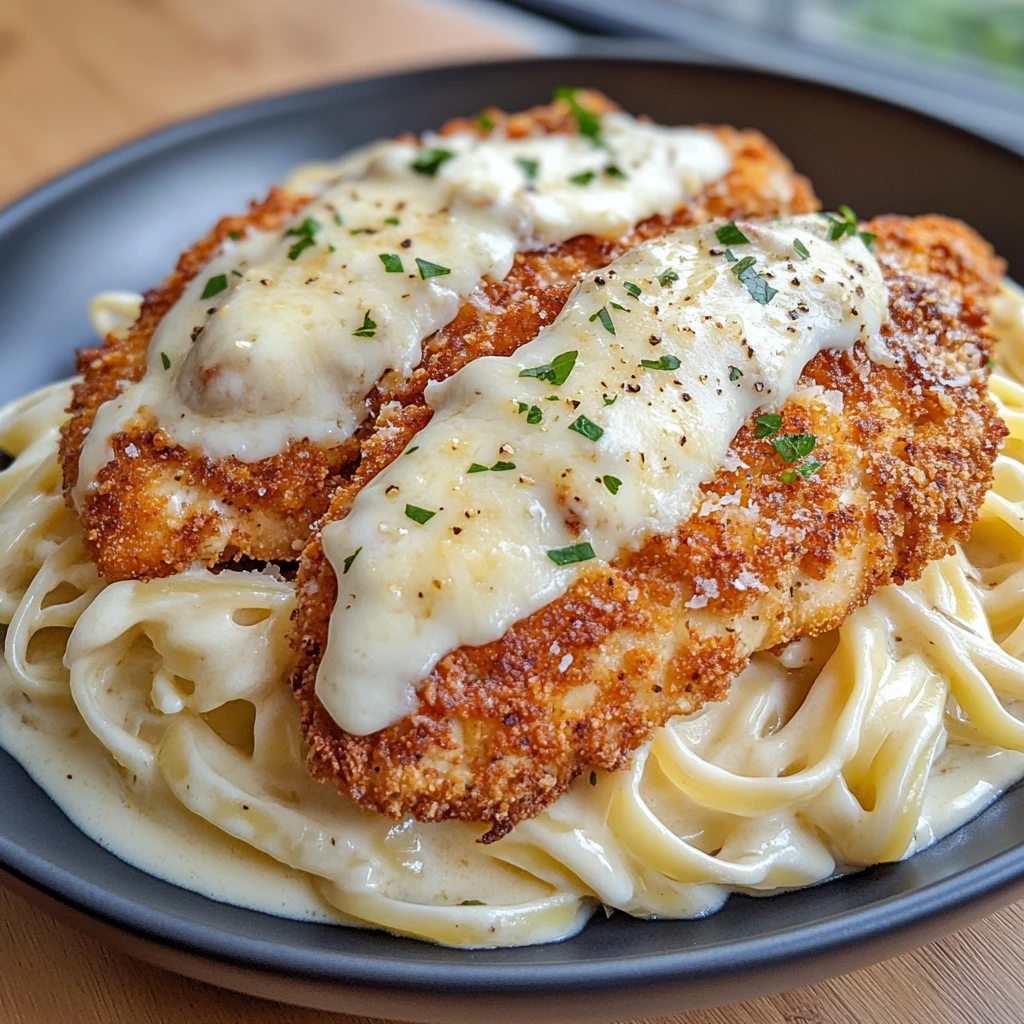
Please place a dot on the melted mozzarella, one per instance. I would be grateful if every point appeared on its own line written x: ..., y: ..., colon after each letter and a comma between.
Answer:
x: 609, y: 456
x: 297, y: 326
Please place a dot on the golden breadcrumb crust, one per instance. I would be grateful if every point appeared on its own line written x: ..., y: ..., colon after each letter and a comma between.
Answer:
x: 907, y: 454
x: 264, y: 510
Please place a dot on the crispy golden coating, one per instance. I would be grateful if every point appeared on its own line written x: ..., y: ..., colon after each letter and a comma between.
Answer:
x: 906, y: 455
x: 264, y: 510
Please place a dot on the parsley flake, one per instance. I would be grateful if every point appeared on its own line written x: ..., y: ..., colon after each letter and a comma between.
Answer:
x: 165, y: 360
x: 801, y: 249
x: 613, y: 483
x: 794, y: 446
x: 529, y: 167
x: 534, y: 416
x: 729, y: 234
x: 419, y: 515
x: 555, y: 372
x: 588, y: 124
x: 305, y: 233
x: 338, y: 219
x: 368, y: 328
x: 664, y: 363
x: 633, y: 289
x: 429, y: 270
x: 588, y: 428
x: 502, y: 467
x: 485, y: 121
x: 475, y: 467
x: 583, y: 178
x: 610, y: 401
x: 621, y: 309
x: 215, y: 286
x: 393, y: 221
x: 234, y: 236
x: 735, y: 373
x: 429, y: 161
x: 768, y: 425
x: 236, y: 273
x: 472, y: 903
x: 614, y: 171
x: 593, y: 778
x: 606, y: 319
x: 414, y: 448
x: 730, y: 256
x: 349, y: 560
x: 760, y: 290
x: 392, y: 262
x: 575, y: 553
x: 666, y: 277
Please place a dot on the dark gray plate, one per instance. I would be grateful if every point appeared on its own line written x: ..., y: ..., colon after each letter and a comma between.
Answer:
x: 120, y: 222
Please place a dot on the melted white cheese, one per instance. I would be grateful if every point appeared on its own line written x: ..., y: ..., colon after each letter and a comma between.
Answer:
x: 298, y: 326
x: 481, y: 562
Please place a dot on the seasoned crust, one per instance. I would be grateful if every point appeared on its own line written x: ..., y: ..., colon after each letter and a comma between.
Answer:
x: 156, y: 507
x: 502, y: 729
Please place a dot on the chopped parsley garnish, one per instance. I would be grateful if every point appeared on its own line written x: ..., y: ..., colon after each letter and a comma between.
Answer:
x: 305, y: 233
x: 429, y: 161
x: 476, y: 467
x: 610, y: 401
x: 392, y: 262
x: 848, y: 226
x: 760, y: 290
x: 768, y: 425
x: 414, y: 448
x: 606, y: 319
x: 419, y: 515
x: 576, y: 553
x: 349, y: 560
x: 790, y: 476
x: 529, y: 167
x: 588, y: 428
x: 801, y: 249
x: 664, y: 363
x: 360, y: 231
x: 523, y: 406
x: 621, y: 309
x: 729, y: 234
x: 633, y: 289
x: 991, y: 364
x: 534, y: 416
x: 236, y: 273
x: 428, y: 269
x: 472, y: 903
x: 794, y: 446
x: 215, y: 286
x: 485, y: 121
x: 234, y: 236
x: 593, y: 778
x: 614, y: 171
x: 666, y: 277
x: 393, y: 221
x: 583, y: 178
x: 613, y: 483
x: 588, y: 124
x: 368, y: 328
x: 165, y: 360
x: 730, y: 256
x: 338, y: 219
x: 735, y: 373
x: 555, y: 372
x: 498, y: 467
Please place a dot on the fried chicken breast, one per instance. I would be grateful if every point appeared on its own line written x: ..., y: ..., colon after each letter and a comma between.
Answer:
x: 156, y: 507
x: 905, y: 452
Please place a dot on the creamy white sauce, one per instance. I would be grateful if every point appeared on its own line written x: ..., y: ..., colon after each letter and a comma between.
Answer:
x: 299, y: 325
x: 411, y: 591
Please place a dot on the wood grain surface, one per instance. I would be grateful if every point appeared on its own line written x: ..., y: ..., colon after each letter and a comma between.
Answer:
x: 78, y: 76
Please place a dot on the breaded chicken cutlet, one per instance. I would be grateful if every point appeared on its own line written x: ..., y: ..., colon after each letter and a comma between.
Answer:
x: 905, y: 459
x: 155, y: 506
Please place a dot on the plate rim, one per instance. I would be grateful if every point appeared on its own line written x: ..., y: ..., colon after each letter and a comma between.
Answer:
x: 484, y: 972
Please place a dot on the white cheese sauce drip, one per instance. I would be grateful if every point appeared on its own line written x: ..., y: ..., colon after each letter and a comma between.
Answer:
x: 297, y: 326
x: 661, y: 383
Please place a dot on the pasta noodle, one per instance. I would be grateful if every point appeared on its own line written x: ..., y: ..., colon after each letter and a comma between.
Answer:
x: 167, y: 702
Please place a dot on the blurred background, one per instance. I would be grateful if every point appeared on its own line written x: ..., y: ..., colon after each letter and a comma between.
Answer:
x: 79, y: 76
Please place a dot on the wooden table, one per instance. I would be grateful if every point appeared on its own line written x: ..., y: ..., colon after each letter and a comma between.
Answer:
x: 77, y: 76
